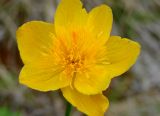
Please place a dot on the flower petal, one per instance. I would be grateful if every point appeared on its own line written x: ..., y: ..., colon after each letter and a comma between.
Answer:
x: 93, y: 81
x: 44, y: 75
x: 100, y: 22
x: 70, y: 14
x: 92, y: 105
x: 122, y: 54
x: 34, y: 40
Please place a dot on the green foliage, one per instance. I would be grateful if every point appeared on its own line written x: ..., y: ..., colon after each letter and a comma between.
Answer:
x: 5, y: 111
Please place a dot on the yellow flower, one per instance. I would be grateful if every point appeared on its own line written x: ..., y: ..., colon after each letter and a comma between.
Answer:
x: 75, y: 54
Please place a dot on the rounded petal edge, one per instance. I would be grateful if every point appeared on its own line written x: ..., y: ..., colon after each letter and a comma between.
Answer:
x: 92, y: 105
x: 122, y: 54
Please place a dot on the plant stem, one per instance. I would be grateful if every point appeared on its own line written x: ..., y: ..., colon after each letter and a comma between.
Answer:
x: 68, y: 109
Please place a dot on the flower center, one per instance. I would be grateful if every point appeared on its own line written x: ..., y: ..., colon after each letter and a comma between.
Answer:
x: 69, y: 54
x: 75, y: 62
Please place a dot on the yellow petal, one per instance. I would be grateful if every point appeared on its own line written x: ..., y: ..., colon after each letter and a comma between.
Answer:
x: 44, y: 75
x: 70, y: 14
x: 93, y: 81
x: 100, y: 22
x: 34, y: 40
x: 92, y: 105
x: 122, y: 54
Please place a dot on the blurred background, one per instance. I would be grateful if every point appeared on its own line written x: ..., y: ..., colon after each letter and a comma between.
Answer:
x: 136, y: 93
